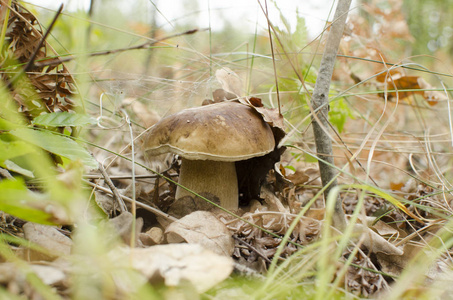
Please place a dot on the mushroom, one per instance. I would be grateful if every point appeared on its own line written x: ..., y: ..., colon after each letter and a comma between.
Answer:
x: 210, y: 139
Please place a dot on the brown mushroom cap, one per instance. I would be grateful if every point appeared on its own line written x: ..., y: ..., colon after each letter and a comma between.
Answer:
x: 226, y: 131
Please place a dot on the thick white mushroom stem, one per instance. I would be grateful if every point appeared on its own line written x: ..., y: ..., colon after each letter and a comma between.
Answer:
x: 207, y: 177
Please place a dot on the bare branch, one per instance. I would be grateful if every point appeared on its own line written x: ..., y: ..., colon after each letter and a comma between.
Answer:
x: 320, y: 100
x: 59, y: 60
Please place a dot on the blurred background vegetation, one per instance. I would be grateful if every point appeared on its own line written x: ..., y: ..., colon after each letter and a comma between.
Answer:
x: 191, y: 60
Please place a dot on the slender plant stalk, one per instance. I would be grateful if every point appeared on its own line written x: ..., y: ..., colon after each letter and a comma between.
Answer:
x: 320, y: 101
x: 5, y: 25
x: 273, y: 57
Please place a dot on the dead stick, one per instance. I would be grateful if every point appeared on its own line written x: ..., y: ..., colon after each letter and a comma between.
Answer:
x: 273, y: 57
x: 59, y: 60
x: 266, y: 259
x: 117, y: 177
x: 319, y: 102
x: 116, y: 194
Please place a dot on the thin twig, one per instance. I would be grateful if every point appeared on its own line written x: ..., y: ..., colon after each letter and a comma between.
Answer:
x: 116, y: 194
x: 58, y: 60
x: 273, y: 57
x: 117, y: 177
x: 142, y: 205
x: 30, y: 63
x: 252, y: 248
x: 134, y: 201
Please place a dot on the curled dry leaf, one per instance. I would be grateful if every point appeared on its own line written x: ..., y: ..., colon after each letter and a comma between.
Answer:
x: 220, y: 95
x: 203, y: 228
x: 230, y: 81
x: 146, y: 117
x: 50, y: 275
x: 232, y: 85
x: 16, y: 279
x: 272, y: 201
x: 177, y: 264
x: 305, y: 232
x: 395, y: 264
x: 399, y: 81
x: 153, y: 236
x: 122, y: 226
x: 384, y: 229
x: 374, y: 242
x: 49, y: 238
x: 271, y: 116
x: 362, y: 281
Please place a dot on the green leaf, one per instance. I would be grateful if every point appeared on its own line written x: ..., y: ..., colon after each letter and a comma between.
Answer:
x: 17, y: 200
x: 290, y: 168
x: 7, y: 125
x: 61, y: 119
x: 339, y: 113
x: 13, y: 149
x: 386, y: 196
x: 12, y: 166
x: 56, y: 144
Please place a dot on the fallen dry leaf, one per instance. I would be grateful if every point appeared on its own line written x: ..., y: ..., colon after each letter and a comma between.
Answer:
x: 402, y: 82
x: 395, y: 264
x: 362, y: 281
x: 298, y: 178
x: 146, y: 117
x: 153, y: 236
x: 221, y: 95
x: 374, y: 242
x: 50, y: 275
x: 49, y: 238
x: 230, y: 81
x: 385, y: 230
x: 177, y: 264
x: 122, y: 226
x: 16, y: 279
x: 273, y: 202
x: 203, y: 228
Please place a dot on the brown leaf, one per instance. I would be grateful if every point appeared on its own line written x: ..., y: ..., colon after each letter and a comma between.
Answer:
x: 153, y: 236
x: 397, y: 81
x: 49, y: 238
x: 298, y: 178
x: 24, y: 35
x: 230, y: 81
x: 403, y: 83
x: 221, y: 95
x: 12, y: 273
x: 395, y: 264
x: 374, y: 242
x: 122, y: 226
x: 272, y: 201
x: 256, y: 102
x: 146, y: 117
x: 203, y: 228
x: 396, y: 186
x: 177, y: 264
